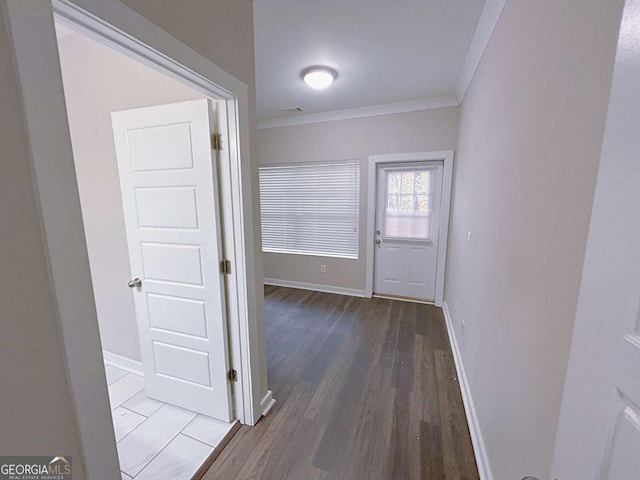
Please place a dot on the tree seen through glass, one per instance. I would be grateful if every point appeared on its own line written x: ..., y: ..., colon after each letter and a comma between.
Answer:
x: 408, y: 212
x: 408, y: 192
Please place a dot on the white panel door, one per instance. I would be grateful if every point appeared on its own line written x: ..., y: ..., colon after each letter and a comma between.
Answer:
x: 170, y: 197
x: 407, y: 217
x: 599, y: 430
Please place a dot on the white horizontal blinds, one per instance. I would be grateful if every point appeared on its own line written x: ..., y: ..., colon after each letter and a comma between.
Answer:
x: 409, y: 204
x: 311, y: 209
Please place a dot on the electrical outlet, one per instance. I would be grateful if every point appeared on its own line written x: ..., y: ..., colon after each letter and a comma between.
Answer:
x: 323, y: 269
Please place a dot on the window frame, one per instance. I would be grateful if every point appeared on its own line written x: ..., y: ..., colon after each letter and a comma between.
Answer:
x: 429, y: 215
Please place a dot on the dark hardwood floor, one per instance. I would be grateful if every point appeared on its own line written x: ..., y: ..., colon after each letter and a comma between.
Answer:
x: 365, y: 389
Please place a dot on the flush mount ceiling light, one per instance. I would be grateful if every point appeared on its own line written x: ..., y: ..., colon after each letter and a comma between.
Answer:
x: 319, y: 78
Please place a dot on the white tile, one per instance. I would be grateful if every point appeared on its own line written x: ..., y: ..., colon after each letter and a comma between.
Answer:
x: 125, y: 476
x: 124, y: 421
x: 178, y: 461
x: 113, y: 373
x: 142, y: 404
x: 145, y: 442
x: 123, y: 389
x: 207, y: 430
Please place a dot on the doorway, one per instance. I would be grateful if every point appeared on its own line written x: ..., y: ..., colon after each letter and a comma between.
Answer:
x: 37, y: 66
x: 409, y: 198
x: 147, y: 176
x: 408, y: 201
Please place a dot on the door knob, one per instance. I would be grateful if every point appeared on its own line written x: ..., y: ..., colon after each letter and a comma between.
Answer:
x: 136, y: 282
x: 377, y: 242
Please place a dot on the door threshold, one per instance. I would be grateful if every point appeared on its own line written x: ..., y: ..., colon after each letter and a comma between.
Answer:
x: 404, y: 299
x: 208, y: 463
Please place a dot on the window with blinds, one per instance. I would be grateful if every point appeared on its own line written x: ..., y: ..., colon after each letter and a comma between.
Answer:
x: 311, y: 209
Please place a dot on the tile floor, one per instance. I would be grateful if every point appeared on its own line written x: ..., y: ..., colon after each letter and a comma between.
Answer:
x: 157, y: 440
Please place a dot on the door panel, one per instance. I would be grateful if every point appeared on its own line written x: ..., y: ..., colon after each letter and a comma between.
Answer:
x: 407, y: 218
x: 163, y: 310
x: 390, y: 265
x: 417, y: 275
x: 158, y: 148
x: 167, y: 207
x: 172, y: 263
x: 182, y: 364
x: 170, y: 197
x: 623, y: 459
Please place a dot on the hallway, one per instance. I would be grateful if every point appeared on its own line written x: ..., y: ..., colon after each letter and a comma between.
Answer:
x: 365, y: 388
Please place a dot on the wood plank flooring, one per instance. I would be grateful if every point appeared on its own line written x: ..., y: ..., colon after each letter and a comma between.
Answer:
x: 365, y: 389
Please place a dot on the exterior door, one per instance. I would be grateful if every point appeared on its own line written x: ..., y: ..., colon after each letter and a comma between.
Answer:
x: 170, y: 198
x: 407, y: 219
x: 599, y: 430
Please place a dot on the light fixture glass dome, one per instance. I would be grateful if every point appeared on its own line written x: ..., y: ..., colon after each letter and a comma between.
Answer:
x: 319, y: 78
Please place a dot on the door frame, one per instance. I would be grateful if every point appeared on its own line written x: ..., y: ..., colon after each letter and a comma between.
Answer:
x: 446, y: 157
x: 31, y: 26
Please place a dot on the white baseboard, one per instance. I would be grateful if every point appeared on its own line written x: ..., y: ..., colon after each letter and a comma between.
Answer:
x: 123, y: 363
x: 267, y: 403
x: 316, y: 287
x: 135, y: 367
x: 479, y: 449
x: 402, y: 299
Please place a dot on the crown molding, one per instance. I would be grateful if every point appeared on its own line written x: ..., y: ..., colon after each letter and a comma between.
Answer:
x: 361, y: 112
x: 489, y: 17
x: 62, y: 31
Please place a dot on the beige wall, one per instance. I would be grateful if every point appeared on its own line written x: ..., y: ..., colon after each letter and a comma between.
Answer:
x: 355, y: 139
x: 531, y: 127
x: 98, y: 81
x: 221, y: 30
x: 35, y: 404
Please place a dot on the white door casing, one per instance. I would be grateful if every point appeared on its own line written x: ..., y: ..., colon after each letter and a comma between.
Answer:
x: 406, y: 246
x: 599, y: 430
x: 169, y: 183
x: 447, y: 158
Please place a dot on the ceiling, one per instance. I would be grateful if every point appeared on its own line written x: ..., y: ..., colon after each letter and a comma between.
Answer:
x: 385, y: 51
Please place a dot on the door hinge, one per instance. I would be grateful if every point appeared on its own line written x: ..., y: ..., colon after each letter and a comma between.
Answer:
x: 216, y: 141
x: 233, y: 376
x: 225, y: 267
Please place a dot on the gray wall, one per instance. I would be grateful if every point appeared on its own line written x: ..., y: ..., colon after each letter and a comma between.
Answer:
x: 353, y: 139
x: 531, y: 127
x: 35, y: 404
x: 98, y: 81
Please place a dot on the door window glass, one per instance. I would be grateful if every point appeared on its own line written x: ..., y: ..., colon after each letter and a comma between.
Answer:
x: 408, y: 204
